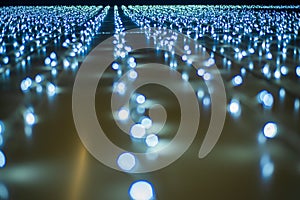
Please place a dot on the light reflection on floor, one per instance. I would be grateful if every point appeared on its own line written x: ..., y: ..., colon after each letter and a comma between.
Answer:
x: 257, y: 156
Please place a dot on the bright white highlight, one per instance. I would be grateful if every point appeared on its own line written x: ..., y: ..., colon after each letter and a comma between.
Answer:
x: 126, y: 161
x: 141, y: 190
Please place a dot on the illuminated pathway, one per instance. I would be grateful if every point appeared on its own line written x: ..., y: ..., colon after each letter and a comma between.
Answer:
x: 255, y: 49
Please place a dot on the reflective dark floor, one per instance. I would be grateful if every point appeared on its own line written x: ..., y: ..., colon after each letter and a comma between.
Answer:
x: 257, y: 154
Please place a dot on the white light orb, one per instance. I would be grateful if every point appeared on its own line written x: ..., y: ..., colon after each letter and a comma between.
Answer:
x: 146, y: 122
x: 141, y: 190
x: 234, y: 106
x: 270, y: 130
x: 115, y: 66
x: 38, y: 78
x: 140, y: 99
x: 298, y: 71
x: 51, y: 88
x: 30, y: 118
x: 47, y: 61
x: 185, y: 76
x: 137, y: 131
x: 237, y: 80
x: 2, y: 159
x: 132, y: 74
x: 126, y: 161
x: 123, y: 113
x: 207, y: 76
x: 151, y: 140
x: 53, y: 55
x: 200, y: 72
x: 206, y: 101
x: 284, y: 70
x: 268, y: 100
x: 121, y: 87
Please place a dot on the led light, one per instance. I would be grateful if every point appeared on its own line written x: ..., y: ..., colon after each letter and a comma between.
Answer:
x: 283, y: 70
x: 126, y: 161
x: 277, y: 74
x: 53, y: 55
x: 200, y: 93
x: 2, y: 159
x: 185, y: 76
x: 206, y: 101
x: 237, y: 80
x: 132, y: 74
x: 2, y: 127
x: 123, y: 114
x: 268, y: 100
x: 115, y: 66
x: 141, y: 190
x: 200, y: 72
x: 281, y: 93
x: 146, y: 122
x: 26, y: 84
x: 30, y: 118
x: 270, y: 130
x: 38, y: 78
x: 121, y: 87
x: 3, y: 192
x: 207, y: 76
x: 234, y: 107
x: 151, y: 140
x: 51, y: 88
x: 298, y: 71
x: 137, y: 131
x: 140, y: 99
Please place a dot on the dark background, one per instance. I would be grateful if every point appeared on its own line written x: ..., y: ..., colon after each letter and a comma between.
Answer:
x: 146, y: 2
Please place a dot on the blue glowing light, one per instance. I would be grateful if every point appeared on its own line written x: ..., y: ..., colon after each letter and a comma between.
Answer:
x: 151, y: 140
x: 237, y: 80
x: 270, y: 130
x: 141, y: 190
x: 2, y: 159
x: 140, y: 99
x: 123, y: 113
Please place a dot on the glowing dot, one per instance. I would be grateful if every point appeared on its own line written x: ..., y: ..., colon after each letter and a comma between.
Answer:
x: 243, y: 71
x: 53, y: 55
x: 298, y: 71
x: 296, y: 104
x: 151, y: 140
x: 47, y: 61
x: 270, y: 130
x: 38, y: 78
x: 126, y: 161
x: 132, y: 74
x: 277, y: 74
x: 29, y: 118
x: 234, y: 106
x: 140, y: 99
x: 261, y: 95
x: 185, y: 76
x: 2, y: 159
x: 51, y: 89
x: 283, y: 70
x: 141, y: 190
x: 26, y: 84
x: 121, y: 88
x: 200, y: 72
x: 206, y: 101
x: 267, y: 169
x: 123, y: 114
x: 268, y: 100
x: 237, y: 80
x: 146, y: 122
x: 2, y: 127
x: 115, y: 66
x: 137, y: 131
x: 281, y: 93
x: 3, y: 192
x: 207, y: 76
x: 184, y: 58
x: 5, y: 60
x: 200, y: 93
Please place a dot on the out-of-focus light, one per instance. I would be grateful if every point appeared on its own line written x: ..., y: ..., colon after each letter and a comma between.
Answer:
x: 267, y: 166
x: 298, y: 71
x: 126, y: 161
x: 268, y: 100
x: 132, y: 74
x: 185, y: 76
x: 200, y: 93
x: 123, y: 113
x: 151, y: 140
x: 2, y: 127
x: 4, y: 195
x: 270, y: 129
x: 137, y: 131
x: 26, y: 84
x: 47, y: 61
x: 38, y: 78
x: 234, y: 107
x: 296, y: 104
x: 281, y: 93
x: 146, y: 122
x: 206, y: 101
x: 2, y: 159
x: 115, y: 66
x: 30, y: 118
x: 141, y: 109
x: 53, y: 55
x: 284, y: 70
x: 277, y: 74
x: 207, y: 76
x: 140, y: 99
x: 121, y: 87
x: 51, y: 88
x: 261, y: 138
x: 200, y: 72
x: 237, y: 80
x: 141, y: 190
